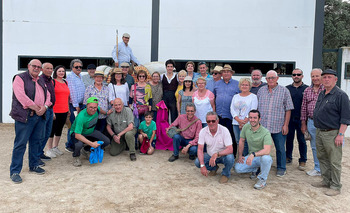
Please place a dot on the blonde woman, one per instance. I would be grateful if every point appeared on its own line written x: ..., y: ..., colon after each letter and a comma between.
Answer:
x: 181, y: 77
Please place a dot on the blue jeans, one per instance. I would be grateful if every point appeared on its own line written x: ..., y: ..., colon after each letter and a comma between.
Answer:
x: 312, y: 130
x: 237, y: 133
x: 295, y: 125
x: 94, y: 136
x: 69, y: 143
x: 47, y: 131
x: 178, y: 141
x: 279, y: 141
x: 263, y: 162
x: 227, y: 160
x: 31, y: 131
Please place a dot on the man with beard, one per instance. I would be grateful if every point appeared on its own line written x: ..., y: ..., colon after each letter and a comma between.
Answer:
x: 256, y: 81
x: 259, y: 142
x: 296, y: 90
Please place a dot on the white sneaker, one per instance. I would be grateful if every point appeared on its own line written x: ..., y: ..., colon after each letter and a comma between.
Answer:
x: 314, y: 173
x: 50, y: 153
x: 57, y: 151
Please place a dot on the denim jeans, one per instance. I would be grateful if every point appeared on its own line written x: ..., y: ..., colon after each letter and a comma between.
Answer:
x: 279, y: 141
x: 178, y: 141
x: 237, y: 133
x: 46, y: 131
x: 94, y: 136
x: 312, y: 130
x: 295, y: 125
x: 69, y: 143
x: 263, y: 162
x: 227, y: 160
x: 31, y: 131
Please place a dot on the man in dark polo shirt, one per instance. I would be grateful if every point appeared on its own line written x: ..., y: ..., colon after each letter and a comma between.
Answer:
x: 331, y: 118
x: 256, y: 81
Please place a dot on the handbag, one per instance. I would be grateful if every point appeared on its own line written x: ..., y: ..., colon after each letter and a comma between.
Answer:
x: 145, y: 145
x: 174, y: 130
x: 307, y: 136
x: 141, y: 109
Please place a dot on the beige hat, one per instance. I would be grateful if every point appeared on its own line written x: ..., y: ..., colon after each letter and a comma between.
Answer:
x: 217, y: 68
x: 117, y: 71
x: 124, y: 64
x: 188, y: 78
x: 126, y: 35
x: 99, y: 73
x: 227, y: 67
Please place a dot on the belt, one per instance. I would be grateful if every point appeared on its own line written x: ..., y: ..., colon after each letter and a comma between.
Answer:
x: 326, y: 130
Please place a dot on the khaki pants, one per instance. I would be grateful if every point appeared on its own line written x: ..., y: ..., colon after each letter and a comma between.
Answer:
x: 330, y: 157
x: 127, y: 139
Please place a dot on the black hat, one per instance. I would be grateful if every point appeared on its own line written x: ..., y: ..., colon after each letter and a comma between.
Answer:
x: 91, y: 66
x: 329, y: 71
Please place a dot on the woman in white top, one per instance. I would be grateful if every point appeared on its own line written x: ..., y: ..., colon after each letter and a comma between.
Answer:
x: 203, y: 99
x: 118, y: 88
x: 241, y: 105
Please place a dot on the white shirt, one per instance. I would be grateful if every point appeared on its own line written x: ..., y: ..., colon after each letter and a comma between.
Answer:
x: 241, y: 106
x: 119, y: 91
x: 216, y: 143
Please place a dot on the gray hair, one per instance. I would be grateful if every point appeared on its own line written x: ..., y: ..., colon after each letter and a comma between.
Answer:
x: 258, y: 71
x: 319, y: 69
x: 212, y: 113
x: 75, y: 61
x: 272, y: 71
x: 46, y: 63
x: 190, y: 104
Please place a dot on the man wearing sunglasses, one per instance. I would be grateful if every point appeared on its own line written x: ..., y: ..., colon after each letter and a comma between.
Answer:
x: 216, y: 77
x: 124, y: 52
x: 129, y: 79
x: 296, y: 90
x: 83, y: 132
x: 77, y: 89
x: 219, y: 149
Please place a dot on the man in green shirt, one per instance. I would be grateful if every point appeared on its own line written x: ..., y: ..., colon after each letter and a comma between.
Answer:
x: 259, y: 142
x: 83, y: 131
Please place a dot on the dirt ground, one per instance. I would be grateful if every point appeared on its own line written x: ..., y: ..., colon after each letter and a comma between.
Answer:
x: 152, y: 184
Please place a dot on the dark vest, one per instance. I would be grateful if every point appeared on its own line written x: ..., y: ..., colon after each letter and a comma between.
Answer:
x: 169, y: 87
x: 17, y: 111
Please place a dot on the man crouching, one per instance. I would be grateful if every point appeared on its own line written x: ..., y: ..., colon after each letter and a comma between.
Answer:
x: 219, y: 149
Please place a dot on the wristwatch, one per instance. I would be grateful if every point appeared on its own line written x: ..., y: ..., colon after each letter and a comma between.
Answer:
x: 253, y: 153
x: 341, y: 134
x: 202, y: 165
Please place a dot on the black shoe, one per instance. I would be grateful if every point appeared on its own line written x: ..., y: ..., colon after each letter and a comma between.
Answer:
x: 41, y: 163
x: 16, y: 178
x: 37, y: 170
x: 44, y: 158
x: 133, y: 157
x: 192, y: 157
x: 173, y: 158
x: 288, y: 160
x: 69, y: 149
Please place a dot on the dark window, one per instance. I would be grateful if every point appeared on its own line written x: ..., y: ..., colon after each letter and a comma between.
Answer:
x: 347, y: 70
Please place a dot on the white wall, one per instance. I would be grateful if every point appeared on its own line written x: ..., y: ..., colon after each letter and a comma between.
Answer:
x: 345, y: 83
x: 250, y: 30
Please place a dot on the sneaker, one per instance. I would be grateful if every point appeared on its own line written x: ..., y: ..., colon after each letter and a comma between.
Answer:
x: 50, y: 153
x: 320, y: 184
x: 313, y: 172
x: 288, y: 160
x: 173, y: 158
x: 260, y: 184
x: 192, y: 157
x: 69, y: 149
x: 76, y: 162
x: 16, y: 178
x: 41, y: 163
x: 281, y: 173
x: 301, y: 166
x: 253, y: 175
x: 44, y: 158
x: 223, y: 179
x: 57, y: 151
x: 213, y: 172
x: 37, y: 170
x: 85, y: 153
x: 332, y: 192
x: 133, y: 157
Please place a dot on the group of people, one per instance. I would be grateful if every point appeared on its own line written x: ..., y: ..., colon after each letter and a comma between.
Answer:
x: 218, y: 119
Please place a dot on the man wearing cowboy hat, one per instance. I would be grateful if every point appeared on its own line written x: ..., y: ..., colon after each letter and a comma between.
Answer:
x: 224, y: 90
x: 216, y: 77
x: 124, y: 52
x: 83, y: 131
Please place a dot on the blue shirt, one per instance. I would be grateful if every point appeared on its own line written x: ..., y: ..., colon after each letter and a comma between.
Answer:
x: 195, y: 78
x: 76, y: 87
x: 124, y: 54
x: 223, y: 96
x: 210, y: 85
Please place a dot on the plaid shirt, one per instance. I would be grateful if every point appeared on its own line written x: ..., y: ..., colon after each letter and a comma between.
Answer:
x: 273, y: 106
x: 309, y: 102
x: 76, y: 88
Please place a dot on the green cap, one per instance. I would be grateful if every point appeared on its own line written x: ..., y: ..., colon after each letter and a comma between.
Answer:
x: 92, y: 100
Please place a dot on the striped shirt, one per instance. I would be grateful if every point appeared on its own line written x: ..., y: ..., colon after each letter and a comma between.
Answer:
x: 309, y: 102
x: 76, y: 87
x: 273, y: 106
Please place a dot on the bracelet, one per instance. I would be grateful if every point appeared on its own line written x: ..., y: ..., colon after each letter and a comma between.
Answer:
x: 113, y: 135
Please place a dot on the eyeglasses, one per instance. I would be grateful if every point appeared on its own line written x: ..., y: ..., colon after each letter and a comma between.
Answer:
x: 216, y: 73
x: 124, y: 67
x: 36, y: 67
x: 211, y: 121
x: 298, y: 74
x: 189, y: 110
x: 142, y: 76
x: 78, y: 67
x: 270, y: 78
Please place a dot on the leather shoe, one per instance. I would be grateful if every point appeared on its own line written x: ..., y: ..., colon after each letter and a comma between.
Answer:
x: 320, y: 184
x: 332, y: 192
x: 173, y: 158
x: 223, y: 179
x: 133, y: 157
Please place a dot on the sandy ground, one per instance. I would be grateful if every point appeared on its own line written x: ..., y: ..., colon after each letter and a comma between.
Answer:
x: 152, y: 184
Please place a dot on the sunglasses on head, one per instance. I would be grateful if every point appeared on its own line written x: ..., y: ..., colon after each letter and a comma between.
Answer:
x: 298, y: 74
